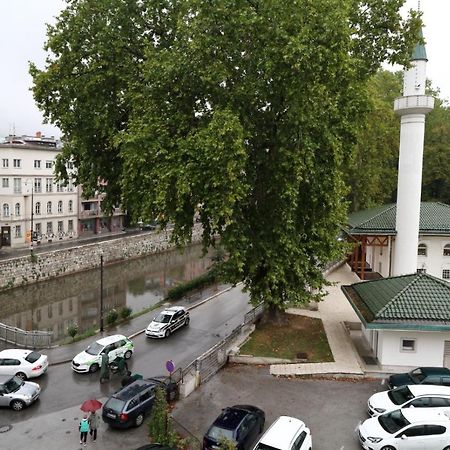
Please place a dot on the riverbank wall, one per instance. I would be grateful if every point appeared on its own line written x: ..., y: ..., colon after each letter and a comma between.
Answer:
x: 30, y: 269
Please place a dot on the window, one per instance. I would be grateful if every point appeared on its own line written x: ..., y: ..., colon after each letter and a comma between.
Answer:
x: 421, y: 402
x: 6, y: 209
x: 434, y: 429
x: 422, y: 270
x: 17, y: 209
x: 422, y: 250
x: 60, y: 206
x: 38, y: 228
x: 5, y: 163
x: 408, y: 345
x: 70, y: 165
x: 299, y: 441
x: 17, y: 185
x: 49, y: 228
x: 447, y: 250
x: 70, y: 185
x: 48, y: 185
x: 37, y: 208
x: 48, y: 164
x: 60, y: 226
x: 70, y: 225
x: 446, y: 274
x: 417, y: 430
x: 5, y: 182
x: 50, y: 311
x: 49, y: 207
x: 38, y: 185
x: 439, y: 402
x: 17, y: 163
x: 59, y: 187
x: 17, y: 231
x: 70, y: 205
x: 37, y: 163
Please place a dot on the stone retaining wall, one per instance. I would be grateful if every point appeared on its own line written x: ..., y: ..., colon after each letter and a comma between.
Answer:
x: 44, y: 266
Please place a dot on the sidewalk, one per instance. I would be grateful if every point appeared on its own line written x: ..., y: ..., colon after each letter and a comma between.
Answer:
x: 65, y: 353
x: 334, y: 310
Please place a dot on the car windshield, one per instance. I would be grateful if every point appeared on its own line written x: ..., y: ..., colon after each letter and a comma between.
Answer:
x: 162, y: 318
x: 13, y: 385
x: 262, y: 446
x: 217, y: 433
x: 417, y: 375
x: 94, y: 349
x: 33, y: 357
x: 400, y: 395
x: 393, y: 421
x: 115, y: 404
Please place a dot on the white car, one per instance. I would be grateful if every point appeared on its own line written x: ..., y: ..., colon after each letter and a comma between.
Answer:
x: 407, y: 429
x: 167, y: 321
x: 411, y: 396
x: 22, y: 363
x: 90, y: 359
x: 286, y: 433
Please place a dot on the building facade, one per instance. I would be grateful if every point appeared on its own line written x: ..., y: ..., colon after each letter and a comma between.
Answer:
x: 32, y: 203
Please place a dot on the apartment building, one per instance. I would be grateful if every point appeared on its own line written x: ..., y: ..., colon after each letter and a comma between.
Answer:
x: 32, y: 203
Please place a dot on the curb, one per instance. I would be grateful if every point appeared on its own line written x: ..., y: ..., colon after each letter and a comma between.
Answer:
x: 137, y: 333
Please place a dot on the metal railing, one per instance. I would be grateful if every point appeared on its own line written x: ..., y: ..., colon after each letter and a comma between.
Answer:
x: 23, y: 338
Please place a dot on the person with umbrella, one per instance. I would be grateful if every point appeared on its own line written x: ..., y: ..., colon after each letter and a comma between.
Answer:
x: 84, y: 428
x: 93, y: 424
x: 91, y: 406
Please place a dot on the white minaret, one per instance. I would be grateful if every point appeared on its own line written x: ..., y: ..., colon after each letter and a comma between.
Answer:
x: 412, y: 108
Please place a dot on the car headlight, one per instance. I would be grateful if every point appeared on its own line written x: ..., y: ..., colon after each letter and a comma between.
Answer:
x: 375, y: 440
x: 379, y: 410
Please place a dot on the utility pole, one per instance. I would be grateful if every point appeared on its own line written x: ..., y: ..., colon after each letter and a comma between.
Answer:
x: 101, y: 293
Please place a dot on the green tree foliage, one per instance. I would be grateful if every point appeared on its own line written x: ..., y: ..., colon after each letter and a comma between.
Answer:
x: 239, y: 112
x: 160, y: 426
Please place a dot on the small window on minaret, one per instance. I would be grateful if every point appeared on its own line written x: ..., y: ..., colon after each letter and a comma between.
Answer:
x: 422, y: 250
x: 447, y: 250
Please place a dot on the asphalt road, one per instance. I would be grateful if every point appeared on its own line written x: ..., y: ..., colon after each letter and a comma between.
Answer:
x: 210, y: 322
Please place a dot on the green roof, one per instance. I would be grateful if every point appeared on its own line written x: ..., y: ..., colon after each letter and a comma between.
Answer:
x: 434, y: 219
x: 419, y: 51
x: 418, y: 298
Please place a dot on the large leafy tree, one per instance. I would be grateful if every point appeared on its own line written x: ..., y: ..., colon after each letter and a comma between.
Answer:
x: 240, y: 111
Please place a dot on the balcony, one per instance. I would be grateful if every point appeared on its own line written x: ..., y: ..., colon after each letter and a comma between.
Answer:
x: 89, y: 213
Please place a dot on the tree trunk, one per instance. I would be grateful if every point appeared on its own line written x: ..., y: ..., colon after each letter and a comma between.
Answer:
x: 274, y: 314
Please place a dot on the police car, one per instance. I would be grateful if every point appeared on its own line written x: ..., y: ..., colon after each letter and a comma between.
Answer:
x: 167, y: 321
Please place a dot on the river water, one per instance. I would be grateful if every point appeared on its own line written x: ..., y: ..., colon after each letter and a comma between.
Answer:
x: 139, y: 283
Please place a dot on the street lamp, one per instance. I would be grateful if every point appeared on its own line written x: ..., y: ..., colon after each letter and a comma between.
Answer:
x: 101, y: 293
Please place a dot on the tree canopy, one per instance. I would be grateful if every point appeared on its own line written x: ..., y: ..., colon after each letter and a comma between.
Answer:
x: 240, y: 112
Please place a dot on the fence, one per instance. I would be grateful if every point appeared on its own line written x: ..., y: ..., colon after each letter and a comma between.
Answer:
x: 27, y: 339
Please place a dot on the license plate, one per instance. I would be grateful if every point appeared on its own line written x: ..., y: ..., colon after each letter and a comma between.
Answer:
x: 112, y: 416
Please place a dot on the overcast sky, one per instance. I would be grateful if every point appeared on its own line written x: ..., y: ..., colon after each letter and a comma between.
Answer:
x: 22, y: 36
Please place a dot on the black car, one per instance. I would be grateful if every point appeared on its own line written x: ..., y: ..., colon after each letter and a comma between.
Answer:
x: 240, y: 423
x: 129, y: 406
x: 421, y: 375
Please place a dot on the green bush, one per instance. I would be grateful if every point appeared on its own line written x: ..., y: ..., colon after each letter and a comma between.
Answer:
x: 72, y: 330
x: 125, y: 312
x: 160, y: 426
x: 182, y: 289
x: 112, y: 316
x: 226, y: 444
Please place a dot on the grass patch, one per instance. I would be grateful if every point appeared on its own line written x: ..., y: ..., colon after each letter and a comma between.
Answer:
x: 298, y: 338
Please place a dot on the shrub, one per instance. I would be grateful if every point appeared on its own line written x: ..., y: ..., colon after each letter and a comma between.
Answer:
x: 112, y: 316
x: 159, y: 427
x: 226, y: 444
x: 125, y: 312
x: 72, y: 330
x: 181, y: 289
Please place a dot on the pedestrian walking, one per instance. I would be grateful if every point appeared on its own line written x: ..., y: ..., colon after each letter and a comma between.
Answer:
x: 93, y: 425
x: 104, y: 368
x: 84, y: 428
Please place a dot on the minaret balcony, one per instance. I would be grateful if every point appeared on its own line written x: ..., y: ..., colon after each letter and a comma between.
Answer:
x: 413, y: 104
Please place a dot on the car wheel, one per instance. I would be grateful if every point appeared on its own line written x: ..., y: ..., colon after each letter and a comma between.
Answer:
x: 388, y: 447
x: 21, y: 375
x: 186, y: 322
x: 447, y: 448
x: 139, y: 420
x: 167, y: 333
x: 128, y: 354
x: 17, y: 405
x: 93, y: 368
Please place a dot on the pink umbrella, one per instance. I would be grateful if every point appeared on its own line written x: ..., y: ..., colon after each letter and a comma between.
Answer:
x: 91, y: 405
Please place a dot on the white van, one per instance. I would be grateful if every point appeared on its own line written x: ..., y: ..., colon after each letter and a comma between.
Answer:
x: 90, y: 359
x: 286, y: 433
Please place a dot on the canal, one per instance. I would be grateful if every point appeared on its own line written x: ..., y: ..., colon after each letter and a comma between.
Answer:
x: 138, y: 284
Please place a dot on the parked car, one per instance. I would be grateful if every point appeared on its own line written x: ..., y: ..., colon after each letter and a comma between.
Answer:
x: 411, y: 428
x: 240, y: 423
x: 156, y: 447
x: 147, y: 225
x: 89, y: 360
x: 128, y: 406
x: 411, y: 396
x: 286, y: 433
x: 421, y: 375
x: 167, y: 321
x: 22, y: 363
x: 16, y: 393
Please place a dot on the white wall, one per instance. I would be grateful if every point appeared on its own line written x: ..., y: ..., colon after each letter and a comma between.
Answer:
x: 435, y: 261
x: 429, y: 348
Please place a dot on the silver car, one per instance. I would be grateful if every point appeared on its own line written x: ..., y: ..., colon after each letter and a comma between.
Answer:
x: 16, y: 393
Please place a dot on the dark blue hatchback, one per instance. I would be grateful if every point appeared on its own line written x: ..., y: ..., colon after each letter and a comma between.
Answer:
x: 241, y: 424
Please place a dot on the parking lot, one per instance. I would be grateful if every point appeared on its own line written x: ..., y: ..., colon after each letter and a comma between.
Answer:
x: 332, y: 409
